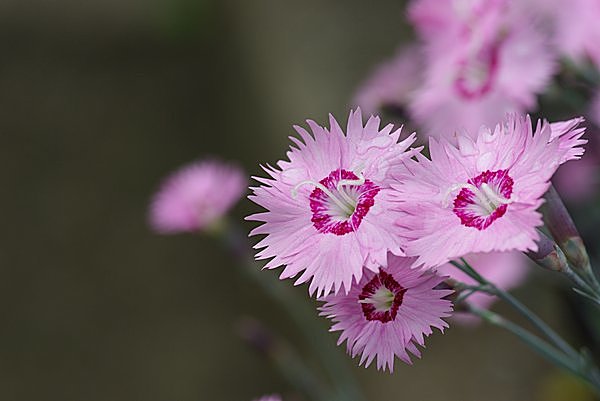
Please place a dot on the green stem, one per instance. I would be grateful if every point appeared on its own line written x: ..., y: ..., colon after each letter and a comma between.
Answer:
x: 569, y: 363
x: 295, y: 371
x: 490, y: 288
x: 302, y: 314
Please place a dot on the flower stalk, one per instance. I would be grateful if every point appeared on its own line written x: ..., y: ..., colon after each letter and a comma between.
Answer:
x: 286, y: 359
x: 300, y: 312
x: 579, y: 365
x: 555, y: 349
x: 560, y: 224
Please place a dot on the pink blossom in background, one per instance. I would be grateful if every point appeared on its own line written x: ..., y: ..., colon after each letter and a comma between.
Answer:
x: 392, y: 82
x: 482, y: 195
x: 268, y: 398
x: 483, y: 59
x: 328, y: 209
x: 388, y: 313
x: 195, y: 196
x: 507, y: 270
x: 578, y: 182
x: 439, y: 21
x: 577, y: 31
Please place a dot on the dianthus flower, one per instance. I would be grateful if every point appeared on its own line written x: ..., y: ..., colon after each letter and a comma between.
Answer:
x: 195, y: 196
x: 389, y: 312
x: 506, y: 270
x: 483, y: 194
x: 328, y: 209
x: 577, y: 32
x: 484, y: 58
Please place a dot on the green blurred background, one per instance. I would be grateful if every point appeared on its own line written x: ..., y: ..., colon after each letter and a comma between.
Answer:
x: 98, y: 101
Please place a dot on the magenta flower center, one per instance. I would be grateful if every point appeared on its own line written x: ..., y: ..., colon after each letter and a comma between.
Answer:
x: 381, y: 297
x: 484, y: 199
x: 476, y: 73
x: 340, y: 201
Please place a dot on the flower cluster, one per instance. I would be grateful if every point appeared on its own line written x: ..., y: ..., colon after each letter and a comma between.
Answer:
x: 477, y: 60
x: 368, y: 220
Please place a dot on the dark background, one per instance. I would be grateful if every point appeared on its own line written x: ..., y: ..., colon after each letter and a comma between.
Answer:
x: 98, y: 101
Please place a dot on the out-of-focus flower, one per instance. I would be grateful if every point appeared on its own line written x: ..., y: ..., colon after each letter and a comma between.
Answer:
x: 482, y: 195
x: 578, y: 182
x: 392, y: 83
x: 196, y: 196
x: 272, y: 397
x: 484, y: 58
x: 577, y: 31
x: 506, y: 270
x: 328, y: 210
x: 389, y: 312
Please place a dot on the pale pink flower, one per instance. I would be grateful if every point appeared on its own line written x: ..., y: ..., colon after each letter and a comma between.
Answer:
x: 570, y: 142
x: 577, y: 31
x: 507, y: 270
x: 328, y: 210
x: 484, y: 58
x: 195, y: 196
x: 483, y: 194
x: 392, y: 82
x: 272, y: 397
x: 388, y: 313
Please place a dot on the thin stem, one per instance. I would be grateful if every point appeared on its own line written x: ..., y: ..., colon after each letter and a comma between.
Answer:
x: 490, y: 288
x: 297, y: 372
x: 467, y: 290
x: 570, y: 363
x: 301, y: 314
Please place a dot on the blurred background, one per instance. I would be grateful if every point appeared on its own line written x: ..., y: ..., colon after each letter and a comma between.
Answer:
x: 98, y: 101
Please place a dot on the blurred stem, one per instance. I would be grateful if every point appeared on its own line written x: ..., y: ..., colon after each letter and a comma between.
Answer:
x: 285, y: 358
x: 300, y: 311
x: 295, y: 371
x: 586, y: 72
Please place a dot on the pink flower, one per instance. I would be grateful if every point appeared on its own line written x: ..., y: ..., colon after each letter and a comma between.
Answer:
x: 328, y: 209
x: 196, y: 196
x: 392, y: 83
x: 482, y: 195
x: 570, y: 141
x: 577, y: 32
x: 388, y: 313
x: 506, y: 270
x: 272, y: 397
x: 484, y: 58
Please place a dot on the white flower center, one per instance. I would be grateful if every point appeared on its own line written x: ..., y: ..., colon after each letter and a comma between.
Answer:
x: 382, y: 300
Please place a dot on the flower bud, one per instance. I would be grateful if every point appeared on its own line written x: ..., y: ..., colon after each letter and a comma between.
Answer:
x: 561, y: 226
x: 549, y: 255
